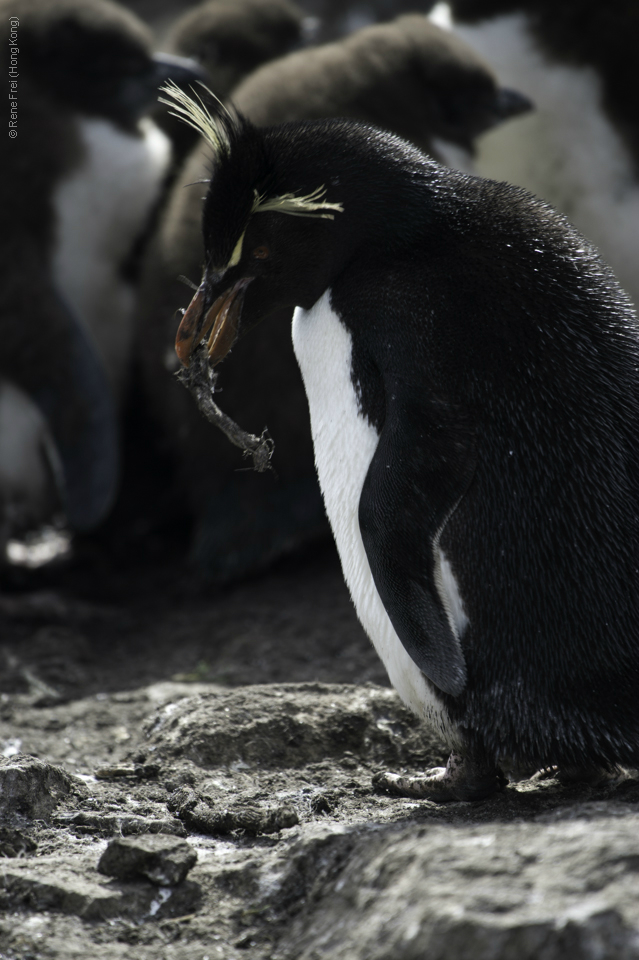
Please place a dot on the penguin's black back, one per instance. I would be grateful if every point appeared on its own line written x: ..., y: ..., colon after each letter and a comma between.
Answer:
x: 505, y: 321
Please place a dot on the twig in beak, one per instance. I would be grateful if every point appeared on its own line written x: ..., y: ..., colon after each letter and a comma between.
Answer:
x: 200, y: 378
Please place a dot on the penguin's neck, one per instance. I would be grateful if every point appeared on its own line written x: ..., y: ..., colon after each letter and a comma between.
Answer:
x: 567, y: 150
x: 101, y: 208
x: 345, y: 443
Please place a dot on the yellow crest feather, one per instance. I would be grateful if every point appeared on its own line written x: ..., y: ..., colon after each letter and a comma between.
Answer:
x: 305, y: 206
x: 194, y: 112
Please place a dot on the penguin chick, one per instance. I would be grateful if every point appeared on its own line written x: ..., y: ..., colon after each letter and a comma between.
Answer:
x: 87, y: 64
x: 420, y: 82
x: 78, y: 182
x: 471, y: 370
x: 408, y: 76
x: 231, y: 38
x: 580, y: 149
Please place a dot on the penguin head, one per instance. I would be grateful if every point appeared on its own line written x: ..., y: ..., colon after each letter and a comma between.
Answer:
x: 450, y: 93
x: 277, y: 228
x: 94, y: 57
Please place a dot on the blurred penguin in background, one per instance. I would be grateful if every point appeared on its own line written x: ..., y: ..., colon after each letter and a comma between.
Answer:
x: 407, y: 76
x: 80, y: 179
x: 580, y: 149
x: 334, y: 19
x: 226, y: 40
x: 229, y: 39
x: 232, y: 38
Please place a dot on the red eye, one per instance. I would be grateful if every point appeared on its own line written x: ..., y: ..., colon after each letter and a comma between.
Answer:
x: 262, y: 253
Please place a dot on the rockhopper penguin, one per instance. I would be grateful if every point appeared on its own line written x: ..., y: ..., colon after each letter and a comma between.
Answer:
x: 471, y: 367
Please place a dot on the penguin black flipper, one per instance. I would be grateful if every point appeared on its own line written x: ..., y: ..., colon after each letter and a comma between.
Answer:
x: 88, y: 444
x: 61, y: 371
x: 422, y: 467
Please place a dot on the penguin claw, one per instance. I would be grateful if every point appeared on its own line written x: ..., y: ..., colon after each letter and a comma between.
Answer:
x: 460, y: 779
x: 546, y: 773
x: 590, y: 776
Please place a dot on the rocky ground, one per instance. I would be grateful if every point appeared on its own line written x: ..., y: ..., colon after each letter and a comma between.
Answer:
x: 187, y: 775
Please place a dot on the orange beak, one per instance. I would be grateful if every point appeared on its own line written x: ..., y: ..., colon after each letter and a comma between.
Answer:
x: 220, y: 323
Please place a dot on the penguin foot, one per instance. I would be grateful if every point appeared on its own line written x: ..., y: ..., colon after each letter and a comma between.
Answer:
x: 460, y: 779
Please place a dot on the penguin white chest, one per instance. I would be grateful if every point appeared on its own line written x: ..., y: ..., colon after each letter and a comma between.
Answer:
x: 101, y: 208
x: 345, y: 443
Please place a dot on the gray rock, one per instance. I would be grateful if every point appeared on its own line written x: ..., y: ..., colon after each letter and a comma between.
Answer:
x: 489, y: 892
x: 162, y: 860
x: 125, y: 771
x: 31, y: 787
x: 15, y: 843
x: 252, y: 819
x: 63, y: 885
x: 542, y: 871
x: 290, y: 725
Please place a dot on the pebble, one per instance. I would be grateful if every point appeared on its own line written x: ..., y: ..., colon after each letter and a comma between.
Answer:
x: 163, y: 860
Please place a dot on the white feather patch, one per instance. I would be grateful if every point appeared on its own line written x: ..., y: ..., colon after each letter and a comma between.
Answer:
x: 345, y: 444
x: 449, y: 594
